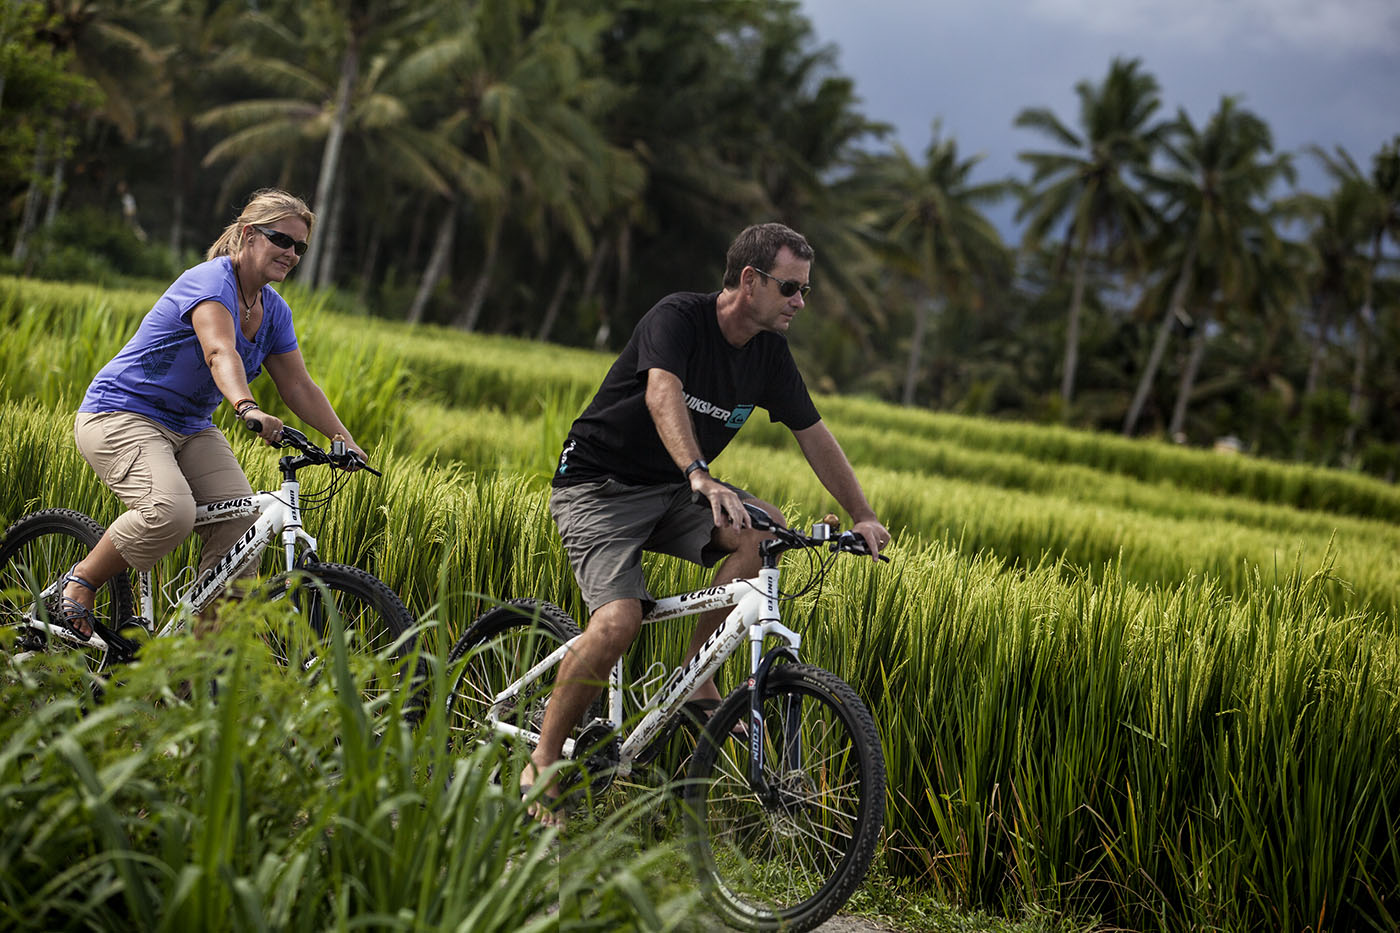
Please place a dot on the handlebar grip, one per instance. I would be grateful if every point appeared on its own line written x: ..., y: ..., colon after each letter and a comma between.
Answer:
x: 253, y: 424
x: 853, y: 543
x: 364, y: 464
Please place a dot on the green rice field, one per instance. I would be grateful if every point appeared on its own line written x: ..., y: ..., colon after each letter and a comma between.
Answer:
x: 1120, y: 681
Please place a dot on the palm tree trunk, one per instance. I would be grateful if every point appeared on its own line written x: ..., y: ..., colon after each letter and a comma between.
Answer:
x: 1076, y: 303
x: 179, y: 200
x: 1319, y: 347
x: 556, y: 301
x: 1356, y: 406
x: 370, y: 266
x: 590, y: 288
x: 334, y: 226
x: 476, y: 300
x: 916, y: 343
x: 330, y: 156
x: 437, y: 264
x: 1188, y: 379
x: 55, y: 189
x: 624, y: 266
x: 1159, y: 343
x: 29, y: 215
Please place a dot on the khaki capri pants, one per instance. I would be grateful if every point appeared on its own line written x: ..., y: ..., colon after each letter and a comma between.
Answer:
x: 161, y: 476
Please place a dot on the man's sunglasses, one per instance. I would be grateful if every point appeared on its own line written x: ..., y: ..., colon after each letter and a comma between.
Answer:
x: 786, y: 287
x: 281, y: 240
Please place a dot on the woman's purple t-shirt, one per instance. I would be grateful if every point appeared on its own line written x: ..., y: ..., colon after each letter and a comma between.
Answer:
x: 161, y: 372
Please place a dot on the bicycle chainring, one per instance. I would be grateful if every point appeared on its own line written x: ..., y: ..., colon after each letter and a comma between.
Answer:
x: 598, y: 751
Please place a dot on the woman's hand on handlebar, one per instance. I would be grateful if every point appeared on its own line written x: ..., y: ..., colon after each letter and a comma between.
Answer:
x: 268, y: 427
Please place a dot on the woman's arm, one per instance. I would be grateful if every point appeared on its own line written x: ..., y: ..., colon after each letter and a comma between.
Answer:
x: 304, y: 397
x: 213, y: 327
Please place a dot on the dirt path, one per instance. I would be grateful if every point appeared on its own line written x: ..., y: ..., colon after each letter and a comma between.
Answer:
x: 840, y: 924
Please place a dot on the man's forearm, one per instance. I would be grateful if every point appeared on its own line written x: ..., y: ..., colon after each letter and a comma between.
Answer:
x: 829, y: 463
x: 666, y: 402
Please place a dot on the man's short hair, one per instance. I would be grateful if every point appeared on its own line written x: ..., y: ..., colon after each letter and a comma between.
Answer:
x: 758, y: 246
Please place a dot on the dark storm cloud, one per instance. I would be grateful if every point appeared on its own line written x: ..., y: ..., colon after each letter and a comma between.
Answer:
x: 1322, y: 73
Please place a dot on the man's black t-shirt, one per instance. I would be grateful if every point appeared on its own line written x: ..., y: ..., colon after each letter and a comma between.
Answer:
x: 615, y: 436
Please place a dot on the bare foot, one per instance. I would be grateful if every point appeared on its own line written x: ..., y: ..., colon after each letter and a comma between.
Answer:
x: 545, y: 808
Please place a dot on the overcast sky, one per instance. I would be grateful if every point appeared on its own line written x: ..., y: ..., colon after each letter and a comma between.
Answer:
x: 1318, y: 71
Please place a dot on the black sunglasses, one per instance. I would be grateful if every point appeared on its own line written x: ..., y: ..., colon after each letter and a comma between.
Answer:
x: 786, y: 287
x: 281, y: 240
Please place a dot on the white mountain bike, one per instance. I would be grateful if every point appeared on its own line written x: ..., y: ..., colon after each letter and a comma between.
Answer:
x: 39, y: 548
x: 781, y: 826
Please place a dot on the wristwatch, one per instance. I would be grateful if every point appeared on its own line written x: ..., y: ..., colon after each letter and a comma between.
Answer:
x: 697, y: 465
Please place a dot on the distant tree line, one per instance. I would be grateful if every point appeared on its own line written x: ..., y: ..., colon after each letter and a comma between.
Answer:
x: 549, y: 169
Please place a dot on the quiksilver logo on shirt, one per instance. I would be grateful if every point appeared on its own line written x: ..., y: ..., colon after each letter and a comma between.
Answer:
x: 732, y: 418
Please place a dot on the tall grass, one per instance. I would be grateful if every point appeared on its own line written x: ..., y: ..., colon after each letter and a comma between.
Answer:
x: 1296, y: 485
x: 64, y: 333
x: 1096, y: 691
x: 267, y: 803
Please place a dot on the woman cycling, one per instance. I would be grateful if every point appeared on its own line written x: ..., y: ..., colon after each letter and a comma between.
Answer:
x: 145, y: 425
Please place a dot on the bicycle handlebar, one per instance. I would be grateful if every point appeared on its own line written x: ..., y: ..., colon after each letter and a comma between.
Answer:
x: 339, y: 456
x: 847, y: 541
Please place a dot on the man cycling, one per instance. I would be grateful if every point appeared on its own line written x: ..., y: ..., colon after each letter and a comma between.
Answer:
x: 693, y: 371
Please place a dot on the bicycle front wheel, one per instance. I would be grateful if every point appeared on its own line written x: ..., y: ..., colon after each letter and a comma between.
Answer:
x: 373, y: 617
x: 790, y: 859
x: 36, y: 552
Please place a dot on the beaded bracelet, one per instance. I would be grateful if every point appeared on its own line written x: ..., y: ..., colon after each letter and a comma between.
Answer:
x: 243, y: 406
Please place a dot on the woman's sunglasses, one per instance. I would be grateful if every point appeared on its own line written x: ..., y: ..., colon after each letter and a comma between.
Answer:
x: 786, y: 287
x: 281, y: 240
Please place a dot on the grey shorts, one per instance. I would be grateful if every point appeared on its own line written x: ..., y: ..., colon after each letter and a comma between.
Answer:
x: 606, y: 525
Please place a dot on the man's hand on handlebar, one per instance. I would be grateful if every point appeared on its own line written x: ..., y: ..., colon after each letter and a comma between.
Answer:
x: 875, y: 534
x: 725, y: 504
x: 357, y: 459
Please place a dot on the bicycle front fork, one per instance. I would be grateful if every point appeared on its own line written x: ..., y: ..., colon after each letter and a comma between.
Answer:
x: 792, y: 733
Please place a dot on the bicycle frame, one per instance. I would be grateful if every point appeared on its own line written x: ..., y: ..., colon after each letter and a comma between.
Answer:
x: 755, y: 617
x: 277, y: 514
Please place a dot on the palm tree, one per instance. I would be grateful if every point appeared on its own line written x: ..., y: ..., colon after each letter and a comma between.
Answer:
x: 1090, y: 188
x: 1218, y: 223
x: 191, y: 35
x: 37, y: 90
x: 1379, y: 209
x: 522, y: 112
x: 803, y: 145
x: 102, y: 45
x: 348, y: 88
x: 937, y: 233
x: 1337, y: 262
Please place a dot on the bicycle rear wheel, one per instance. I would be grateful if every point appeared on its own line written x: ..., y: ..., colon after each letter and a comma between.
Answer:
x: 499, y: 647
x: 36, y: 552
x: 373, y: 617
x: 788, y: 862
